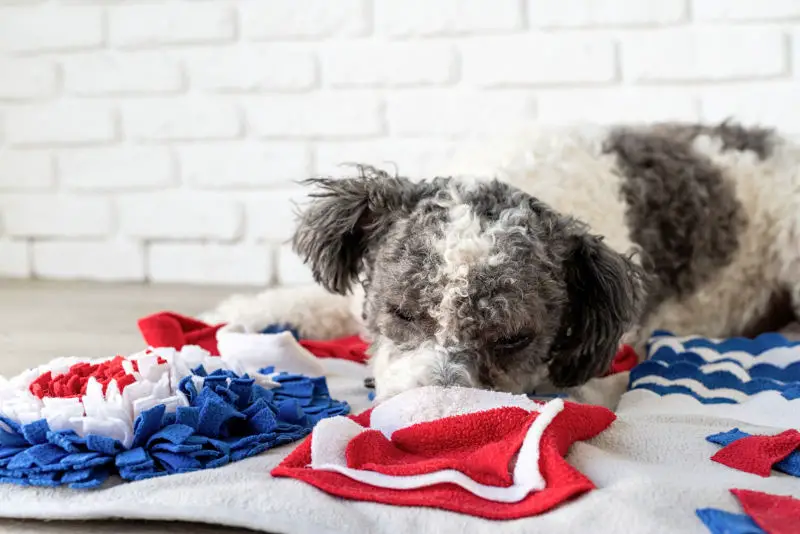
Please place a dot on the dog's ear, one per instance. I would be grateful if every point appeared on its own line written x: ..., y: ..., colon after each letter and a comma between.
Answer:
x: 346, y: 216
x: 605, y: 293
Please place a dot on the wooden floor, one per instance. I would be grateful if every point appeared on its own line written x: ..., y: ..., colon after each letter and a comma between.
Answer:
x: 42, y: 320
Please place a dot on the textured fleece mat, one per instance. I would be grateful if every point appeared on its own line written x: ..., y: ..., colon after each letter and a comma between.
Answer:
x: 653, y: 471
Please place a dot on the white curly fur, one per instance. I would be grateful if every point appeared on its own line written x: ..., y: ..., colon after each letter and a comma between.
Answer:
x: 316, y: 313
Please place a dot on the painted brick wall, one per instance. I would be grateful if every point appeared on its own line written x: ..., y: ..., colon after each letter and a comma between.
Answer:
x: 159, y: 140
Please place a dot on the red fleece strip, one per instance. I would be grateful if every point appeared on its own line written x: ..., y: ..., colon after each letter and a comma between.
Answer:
x: 776, y: 514
x: 73, y: 383
x: 757, y: 454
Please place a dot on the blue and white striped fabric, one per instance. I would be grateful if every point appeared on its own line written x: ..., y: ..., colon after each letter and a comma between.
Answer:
x: 752, y: 380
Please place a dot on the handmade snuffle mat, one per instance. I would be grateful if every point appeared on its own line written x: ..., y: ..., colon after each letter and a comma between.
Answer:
x: 220, y: 424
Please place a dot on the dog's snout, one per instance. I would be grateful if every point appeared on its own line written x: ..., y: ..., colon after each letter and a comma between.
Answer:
x: 449, y: 372
x: 450, y: 380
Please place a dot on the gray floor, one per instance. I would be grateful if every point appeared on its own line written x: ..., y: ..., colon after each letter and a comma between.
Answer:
x: 42, y: 320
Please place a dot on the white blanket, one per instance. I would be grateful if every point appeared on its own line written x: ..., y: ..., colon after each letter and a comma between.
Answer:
x: 652, y: 469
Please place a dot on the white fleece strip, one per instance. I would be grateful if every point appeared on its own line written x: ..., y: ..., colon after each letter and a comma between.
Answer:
x: 247, y: 352
x: 768, y: 408
x: 696, y: 387
x: 779, y: 356
x: 331, y: 436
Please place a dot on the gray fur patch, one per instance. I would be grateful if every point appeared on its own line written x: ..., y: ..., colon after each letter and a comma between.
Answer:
x: 734, y: 136
x: 682, y: 211
x: 777, y: 315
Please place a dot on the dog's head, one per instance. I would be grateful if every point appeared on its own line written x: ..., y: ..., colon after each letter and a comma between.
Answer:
x: 469, y: 283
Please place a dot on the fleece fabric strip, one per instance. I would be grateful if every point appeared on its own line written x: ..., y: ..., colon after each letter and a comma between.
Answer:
x: 759, y: 454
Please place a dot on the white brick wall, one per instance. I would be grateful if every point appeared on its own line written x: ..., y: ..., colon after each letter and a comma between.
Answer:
x: 162, y: 140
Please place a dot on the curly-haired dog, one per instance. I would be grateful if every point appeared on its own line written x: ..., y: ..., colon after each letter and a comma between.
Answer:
x: 573, y: 243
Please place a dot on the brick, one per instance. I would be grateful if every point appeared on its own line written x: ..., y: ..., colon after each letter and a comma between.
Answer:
x: 25, y: 169
x: 599, y: 13
x: 744, y: 10
x: 80, y: 260
x: 319, y: 114
x: 171, y: 24
x: 115, y: 73
x: 14, y: 259
x: 530, y: 60
x: 116, y: 168
x: 368, y: 63
x: 175, y: 215
x: 63, y: 123
x: 271, y: 216
x: 209, y: 264
x: 409, y: 157
x: 608, y: 106
x: 304, y: 19
x: 184, y: 119
x: 253, y: 67
x: 772, y: 105
x: 402, y: 18
x: 27, y: 78
x: 43, y: 29
x: 224, y: 165
x: 711, y: 54
x: 291, y: 269
x: 457, y: 113
x: 56, y: 216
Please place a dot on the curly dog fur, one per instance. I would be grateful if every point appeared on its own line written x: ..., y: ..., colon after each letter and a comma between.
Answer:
x: 531, y: 261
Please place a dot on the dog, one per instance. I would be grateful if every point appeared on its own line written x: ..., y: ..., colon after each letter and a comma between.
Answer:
x: 529, y: 268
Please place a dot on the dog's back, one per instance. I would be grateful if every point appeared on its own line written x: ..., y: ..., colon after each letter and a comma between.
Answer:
x: 713, y: 210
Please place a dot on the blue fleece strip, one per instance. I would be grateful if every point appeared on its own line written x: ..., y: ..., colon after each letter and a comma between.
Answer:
x: 721, y: 522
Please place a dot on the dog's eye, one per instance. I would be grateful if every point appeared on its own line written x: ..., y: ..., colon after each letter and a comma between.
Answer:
x: 402, y: 314
x: 511, y: 344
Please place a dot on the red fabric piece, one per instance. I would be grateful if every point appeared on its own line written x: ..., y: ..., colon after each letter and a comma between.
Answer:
x: 167, y: 329
x: 575, y: 423
x: 481, y: 446
x: 776, y: 514
x: 625, y: 360
x: 757, y: 454
x: 73, y: 383
x: 351, y: 348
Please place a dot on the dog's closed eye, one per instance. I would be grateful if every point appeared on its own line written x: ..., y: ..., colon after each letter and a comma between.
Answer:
x: 511, y: 344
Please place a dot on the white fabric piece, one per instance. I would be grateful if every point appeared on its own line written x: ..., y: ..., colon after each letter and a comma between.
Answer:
x: 330, y: 438
x: 346, y: 368
x: 652, y: 471
x: 768, y: 408
x: 247, y: 352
